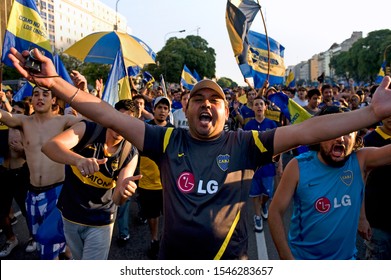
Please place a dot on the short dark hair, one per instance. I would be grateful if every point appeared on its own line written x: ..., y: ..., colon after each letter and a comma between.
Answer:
x: 326, y: 86
x: 139, y: 96
x: 126, y: 104
x: 23, y: 105
x: 313, y: 92
x: 42, y: 88
x: 183, y: 93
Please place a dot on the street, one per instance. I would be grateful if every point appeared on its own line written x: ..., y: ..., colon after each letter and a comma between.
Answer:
x: 138, y: 244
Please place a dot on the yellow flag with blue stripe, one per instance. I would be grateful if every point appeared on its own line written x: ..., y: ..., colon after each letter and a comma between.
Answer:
x: 117, y: 86
x: 291, y: 110
x: 290, y: 80
x: 25, y: 29
x: 382, y: 72
x: 187, y: 79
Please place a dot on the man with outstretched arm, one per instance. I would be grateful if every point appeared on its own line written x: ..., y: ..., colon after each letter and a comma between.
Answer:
x: 205, y: 171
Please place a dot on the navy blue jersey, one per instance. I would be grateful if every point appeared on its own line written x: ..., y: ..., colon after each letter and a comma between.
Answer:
x: 88, y: 200
x: 377, y: 188
x: 205, y: 184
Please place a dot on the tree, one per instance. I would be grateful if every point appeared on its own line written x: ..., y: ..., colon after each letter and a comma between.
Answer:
x: 225, y: 82
x: 363, y: 60
x: 91, y: 71
x: 192, y: 51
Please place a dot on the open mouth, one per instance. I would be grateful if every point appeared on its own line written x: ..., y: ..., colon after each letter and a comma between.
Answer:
x: 205, y: 118
x: 338, y: 150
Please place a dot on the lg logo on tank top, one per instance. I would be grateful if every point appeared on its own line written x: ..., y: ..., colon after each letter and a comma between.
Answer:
x: 323, y: 204
x: 186, y: 184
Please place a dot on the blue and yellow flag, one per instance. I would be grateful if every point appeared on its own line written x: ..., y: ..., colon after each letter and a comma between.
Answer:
x: 196, y: 75
x: 290, y: 80
x: 291, y: 110
x: 24, y: 91
x: 148, y: 79
x: 382, y: 72
x: 257, y: 60
x: 238, y: 18
x: 25, y: 29
x: 133, y: 71
x: 117, y: 86
x: 187, y: 79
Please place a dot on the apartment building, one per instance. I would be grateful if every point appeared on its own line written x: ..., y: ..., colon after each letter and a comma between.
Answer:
x: 67, y: 21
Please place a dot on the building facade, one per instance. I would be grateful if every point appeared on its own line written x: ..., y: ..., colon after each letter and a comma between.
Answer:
x: 311, y: 69
x: 67, y: 21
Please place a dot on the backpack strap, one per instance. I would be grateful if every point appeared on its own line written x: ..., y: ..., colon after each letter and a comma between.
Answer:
x: 124, y: 153
x: 98, y: 129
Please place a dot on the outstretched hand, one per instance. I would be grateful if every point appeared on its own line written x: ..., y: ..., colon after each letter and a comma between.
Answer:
x: 48, y: 72
x: 381, y: 100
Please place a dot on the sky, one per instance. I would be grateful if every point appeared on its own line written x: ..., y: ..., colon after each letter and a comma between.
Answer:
x: 303, y: 27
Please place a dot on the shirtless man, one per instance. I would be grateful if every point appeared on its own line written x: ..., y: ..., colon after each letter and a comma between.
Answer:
x: 205, y: 222
x: 46, y: 176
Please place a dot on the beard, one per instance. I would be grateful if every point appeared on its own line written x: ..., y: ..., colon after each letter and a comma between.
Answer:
x: 330, y: 161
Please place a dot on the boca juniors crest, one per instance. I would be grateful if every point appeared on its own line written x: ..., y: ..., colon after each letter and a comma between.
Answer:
x: 223, y: 161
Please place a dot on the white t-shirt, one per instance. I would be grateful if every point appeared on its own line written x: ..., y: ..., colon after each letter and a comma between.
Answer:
x: 180, y: 119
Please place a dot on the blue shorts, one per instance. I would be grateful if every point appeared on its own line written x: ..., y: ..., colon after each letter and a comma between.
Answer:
x: 38, y: 206
x: 262, y: 186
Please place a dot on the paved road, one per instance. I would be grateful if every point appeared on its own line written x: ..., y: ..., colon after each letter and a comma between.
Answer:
x: 260, y: 244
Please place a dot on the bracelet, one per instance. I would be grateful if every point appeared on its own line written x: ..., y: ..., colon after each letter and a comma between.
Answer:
x: 73, y: 96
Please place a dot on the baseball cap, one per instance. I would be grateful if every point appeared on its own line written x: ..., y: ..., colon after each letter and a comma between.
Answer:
x: 272, y: 88
x: 207, y: 84
x: 161, y: 99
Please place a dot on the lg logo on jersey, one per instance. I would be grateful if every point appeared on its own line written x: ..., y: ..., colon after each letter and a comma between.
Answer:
x: 186, y: 184
x: 323, y: 204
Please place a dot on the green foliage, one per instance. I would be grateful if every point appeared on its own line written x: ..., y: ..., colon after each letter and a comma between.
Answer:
x: 10, y: 73
x: 91, y: 71
x: 363, y: 60
x: 225, y: 82
x: 192, y: 51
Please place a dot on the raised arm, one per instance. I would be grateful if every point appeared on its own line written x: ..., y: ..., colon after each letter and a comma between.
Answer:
x: 11, y: 120
x: 88, y: 105
x: 59, y: 150
x: 327, y: 127
x: 4, y: 100
x: 278, y: 206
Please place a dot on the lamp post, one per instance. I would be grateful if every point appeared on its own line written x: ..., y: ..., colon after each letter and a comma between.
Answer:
x: 116, y: 16
x: 178, y: 31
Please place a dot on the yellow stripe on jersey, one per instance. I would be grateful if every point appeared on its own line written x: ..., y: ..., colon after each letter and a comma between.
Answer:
x: 167, y: 138
x: 258, y: 142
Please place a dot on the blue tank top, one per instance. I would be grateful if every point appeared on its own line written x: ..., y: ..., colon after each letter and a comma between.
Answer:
x: 327, y: 206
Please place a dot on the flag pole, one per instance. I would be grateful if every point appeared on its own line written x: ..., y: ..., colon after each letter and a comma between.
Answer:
x: 267, y: 40
x: 1, y: 74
